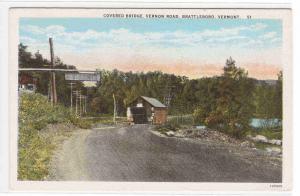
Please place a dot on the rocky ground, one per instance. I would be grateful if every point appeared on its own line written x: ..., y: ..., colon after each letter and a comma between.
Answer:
x: 269, y: 147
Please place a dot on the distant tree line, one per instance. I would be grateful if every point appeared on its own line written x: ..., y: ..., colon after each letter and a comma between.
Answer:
x: 227, y: 102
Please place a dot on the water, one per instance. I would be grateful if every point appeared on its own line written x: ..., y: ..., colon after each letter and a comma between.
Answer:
x: 260, y: 123
x: 257, y: 123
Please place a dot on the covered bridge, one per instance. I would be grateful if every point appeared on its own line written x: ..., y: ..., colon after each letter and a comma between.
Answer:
x: 147, y: 109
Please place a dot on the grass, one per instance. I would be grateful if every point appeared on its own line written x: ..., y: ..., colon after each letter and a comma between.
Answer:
x: 106, y: 120
x: 34, y: 147
x: 263, y: 146
x: 167, y: 127
x: 268, y: 133
x: 174, y: 123
x: 271, y: 134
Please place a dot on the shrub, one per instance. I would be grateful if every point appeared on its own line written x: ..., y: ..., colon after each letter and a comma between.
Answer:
x: 199, y: 115
x: 35, y: 109
x: 81, y: 123
x: 35, y: 150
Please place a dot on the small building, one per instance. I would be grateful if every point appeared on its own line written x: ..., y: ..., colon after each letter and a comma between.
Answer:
x: 147, y: 110
x: 27, y: 83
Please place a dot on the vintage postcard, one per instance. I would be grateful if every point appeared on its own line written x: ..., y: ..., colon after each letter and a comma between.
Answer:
x: 156, y: 100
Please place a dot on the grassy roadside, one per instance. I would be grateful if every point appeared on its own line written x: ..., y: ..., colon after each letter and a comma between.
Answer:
x: 36, y: 142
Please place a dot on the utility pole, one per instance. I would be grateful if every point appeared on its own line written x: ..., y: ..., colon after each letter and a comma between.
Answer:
x: 76, y: 102
x: 168, y: 94
x: 49, y: 89
x: 115, y: 108
x: 72, y: 95
x: 80, y: 106
x: 52, y: 76
x: 85, y: 104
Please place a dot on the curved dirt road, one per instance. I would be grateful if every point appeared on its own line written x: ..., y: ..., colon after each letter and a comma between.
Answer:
x: 133, y: 153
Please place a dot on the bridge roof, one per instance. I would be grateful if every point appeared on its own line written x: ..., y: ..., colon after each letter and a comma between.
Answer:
x: 154, y: 102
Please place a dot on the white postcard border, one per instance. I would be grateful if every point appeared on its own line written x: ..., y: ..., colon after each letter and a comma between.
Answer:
x: 153, y: 187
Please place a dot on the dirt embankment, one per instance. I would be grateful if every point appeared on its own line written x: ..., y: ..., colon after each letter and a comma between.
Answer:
x: 56, y: 135
x: 68, y: 161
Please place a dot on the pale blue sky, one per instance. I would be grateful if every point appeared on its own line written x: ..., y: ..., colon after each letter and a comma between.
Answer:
x: 146, y: 25
x: 161, y: 42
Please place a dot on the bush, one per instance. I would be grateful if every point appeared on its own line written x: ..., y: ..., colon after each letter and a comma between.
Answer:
x: 199, y: 115
x: 268, y: 133
x: 35, y: 150
x: 81, y: 123
x: 36, y: 110
x: 167, y: 127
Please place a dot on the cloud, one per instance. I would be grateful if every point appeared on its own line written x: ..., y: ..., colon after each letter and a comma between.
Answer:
x: 28, y: 40
x: 275, y: 40
x: 269, y: 35
x: 226, y: 39
x: 36, y: 30
x: 224, y: 32
x: 195, y: 54
x: 258, y: 26
x: 126, y: 37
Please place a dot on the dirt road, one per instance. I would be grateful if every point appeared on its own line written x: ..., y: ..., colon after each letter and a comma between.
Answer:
x: 134, y: 153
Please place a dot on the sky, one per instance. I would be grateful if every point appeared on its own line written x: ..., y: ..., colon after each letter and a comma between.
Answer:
x: 188, y: 47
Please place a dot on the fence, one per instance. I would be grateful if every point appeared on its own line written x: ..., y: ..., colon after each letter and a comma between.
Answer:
x: 186, y: 119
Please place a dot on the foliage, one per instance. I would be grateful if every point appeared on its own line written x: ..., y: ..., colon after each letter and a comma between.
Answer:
x: 199, y: 115
x: 268, y: 133
x: 278, y: 96
x: 29, y: 60
x: 34, y: 148
x: 226, y: 102
x: 232, y: 108
x: 81, y: 123
x: 35, y: 151
x: 268, y: 105
x: 167, y: 127
x: 271, y: 134
x: 263, y: 146
x: 35, y: 108
x: 268, y: 99
x: 128, y: 86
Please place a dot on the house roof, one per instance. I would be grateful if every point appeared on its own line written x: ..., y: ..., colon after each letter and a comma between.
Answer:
x: 154, y: 102
x: 27, y: 79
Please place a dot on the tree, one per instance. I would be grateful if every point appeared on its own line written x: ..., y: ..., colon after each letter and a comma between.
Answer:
x: 27, y: 60
x: 265, y: 101
x: 199, y: 115
x: 278, y: 96
x: 268, y: 99
x: 25, y: 57
x: 234, y: 107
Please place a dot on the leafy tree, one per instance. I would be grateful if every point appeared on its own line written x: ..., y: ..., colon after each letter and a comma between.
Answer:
x: 199, y: 115
x: 226, y: 102
x: 268, y: 99
x: 278, y: 96
x: 27, y: 60
x: 234, y: 107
